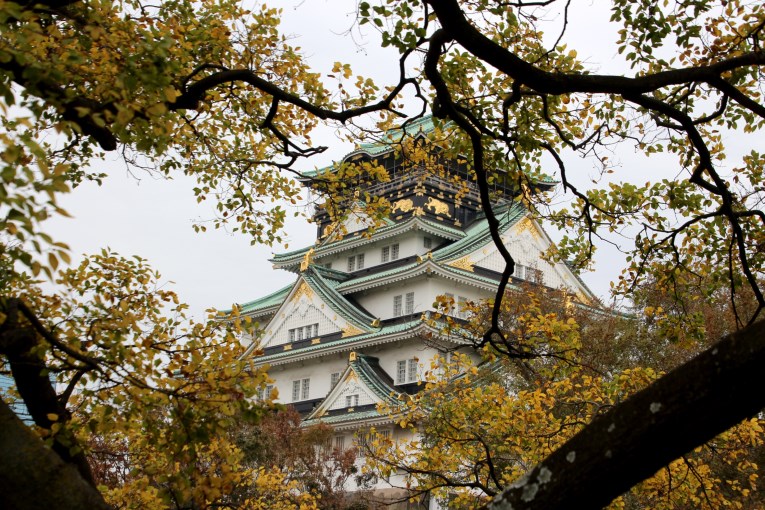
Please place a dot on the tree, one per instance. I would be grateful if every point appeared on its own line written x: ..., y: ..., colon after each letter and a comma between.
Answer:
x: 483, y: 426
x: 305, y: 456
x: 211, y: 90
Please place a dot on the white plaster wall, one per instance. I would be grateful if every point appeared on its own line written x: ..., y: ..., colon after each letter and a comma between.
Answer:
x: 379, y: 301
x: 527, y: 251
x: 319, y: 371
x: 404, y: 351
x: 410, y: 243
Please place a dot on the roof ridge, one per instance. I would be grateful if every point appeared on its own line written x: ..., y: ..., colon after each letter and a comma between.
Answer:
x: 350, y: 312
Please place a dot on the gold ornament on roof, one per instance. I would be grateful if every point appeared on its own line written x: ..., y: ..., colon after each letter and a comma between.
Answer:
x: 307, y: 260
x: 352, y: 356
x: 437, y: 206
x: 403, y: 205
x: 527, y: 225
x: 302, y: 290
x: 351, y: 330
x: 463, y: 263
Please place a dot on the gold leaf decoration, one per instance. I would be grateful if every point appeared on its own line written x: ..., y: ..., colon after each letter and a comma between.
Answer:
x: 463, y: 263
x: 404, y: 205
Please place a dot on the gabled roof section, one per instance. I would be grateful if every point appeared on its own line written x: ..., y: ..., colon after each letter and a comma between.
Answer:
x: 315, y: 289
x: 363, y: 378
x: 291, y: 260
x: 264, y: 305
x: 478, y: 233
x: 325, y: 287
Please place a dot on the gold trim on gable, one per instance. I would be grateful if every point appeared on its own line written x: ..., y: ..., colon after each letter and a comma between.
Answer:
x: 303, y: 289
x: 527, y: 225
x: 288, y: 347
x: 463, y: 263
x: 315, y: 341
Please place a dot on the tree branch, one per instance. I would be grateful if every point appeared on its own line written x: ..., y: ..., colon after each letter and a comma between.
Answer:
x: 687, y: 407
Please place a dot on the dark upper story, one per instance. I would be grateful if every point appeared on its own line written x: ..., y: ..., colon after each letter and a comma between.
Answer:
x: 442, y: 190
x: 423, y: 180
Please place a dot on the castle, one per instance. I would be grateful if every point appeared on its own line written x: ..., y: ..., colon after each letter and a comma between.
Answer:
x: 352, y: 330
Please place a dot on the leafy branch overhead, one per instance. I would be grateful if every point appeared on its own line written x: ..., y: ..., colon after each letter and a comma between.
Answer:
x: 214, y: 91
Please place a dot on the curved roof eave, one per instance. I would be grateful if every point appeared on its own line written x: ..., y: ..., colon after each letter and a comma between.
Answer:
x: 425, y: 266
x: 294, y: 258
x: 385, y: 335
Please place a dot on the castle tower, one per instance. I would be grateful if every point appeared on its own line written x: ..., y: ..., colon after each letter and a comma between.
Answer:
x: 352, y: 330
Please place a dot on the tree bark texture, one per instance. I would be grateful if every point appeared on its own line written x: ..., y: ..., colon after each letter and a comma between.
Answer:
x: 32, y: 476
x: 679, y: 412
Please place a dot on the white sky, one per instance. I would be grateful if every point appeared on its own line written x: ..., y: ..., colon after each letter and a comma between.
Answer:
x: 152, y: 218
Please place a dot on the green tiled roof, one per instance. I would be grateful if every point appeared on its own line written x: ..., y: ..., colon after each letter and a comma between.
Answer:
x: 432, y: 227
x: 273, y: 299
x: 415, y: 267
x: 385, y: 330
x: 377, y: 276
x: 343, y: 417
x: 368, y: 370
x: 478, y: 233
x: 326, y: 289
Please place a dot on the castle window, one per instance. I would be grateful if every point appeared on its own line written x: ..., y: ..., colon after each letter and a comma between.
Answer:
x: 340, y: 442
x: 389, y: 253
x: 360, y: 261
x: 409, y: 303
x: 397, y: 309
x: 352, y: 400
x: 334, y: 377
x: 461, y: 304
x: 265, y: 393
x: 449, y: 303
x: 292, y: 335
x: 406, y: 371
x: 351, y: 264
x: 300, y: 389
x: 427, y: 242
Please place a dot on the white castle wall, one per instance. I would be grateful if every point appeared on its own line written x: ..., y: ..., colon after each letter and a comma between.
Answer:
x: 379, y: 301
x: 410, y: 243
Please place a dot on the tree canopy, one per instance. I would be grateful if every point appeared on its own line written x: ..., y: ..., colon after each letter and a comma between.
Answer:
x: 212, y: 90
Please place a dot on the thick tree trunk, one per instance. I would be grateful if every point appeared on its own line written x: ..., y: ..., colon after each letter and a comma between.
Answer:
x: 684, y: 409
x: 32, y: 476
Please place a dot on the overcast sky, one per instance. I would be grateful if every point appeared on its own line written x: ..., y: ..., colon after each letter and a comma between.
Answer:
x: 137, y: 214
